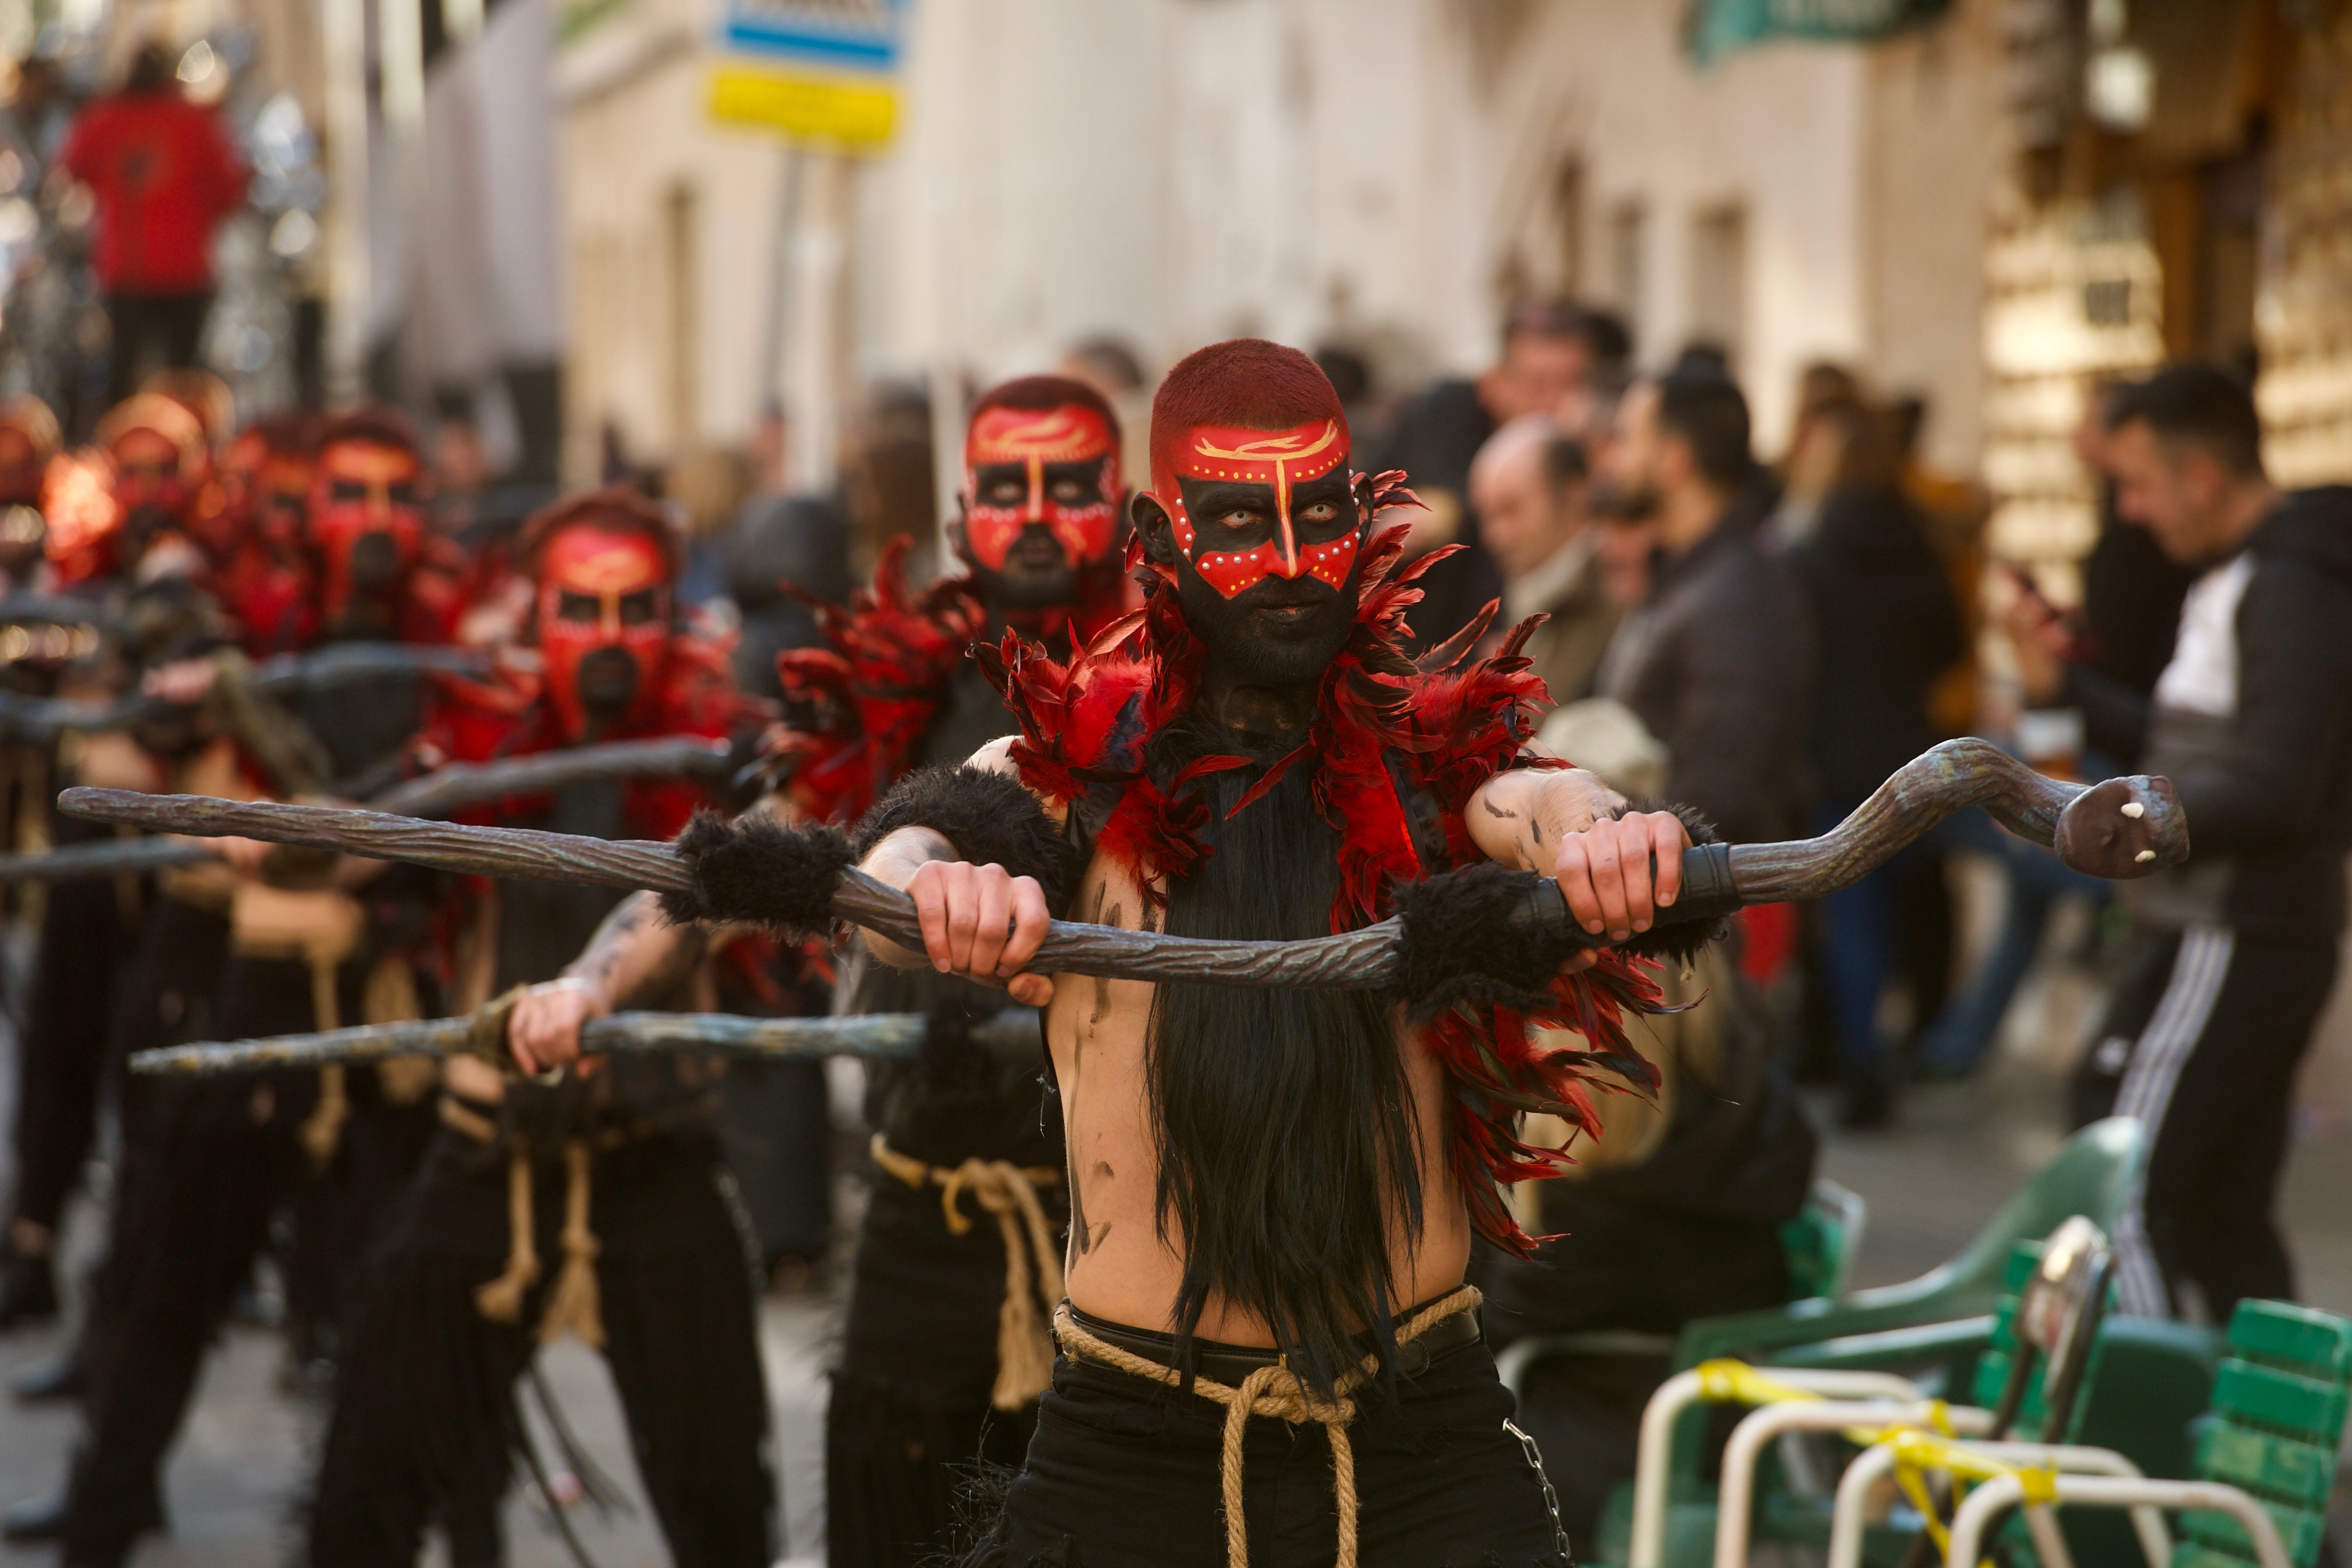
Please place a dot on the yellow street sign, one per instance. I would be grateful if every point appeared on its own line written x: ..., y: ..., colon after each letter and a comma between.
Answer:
x: 853, y: 111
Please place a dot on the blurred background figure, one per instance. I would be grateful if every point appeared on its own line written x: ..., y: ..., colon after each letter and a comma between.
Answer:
x: 1532, y: 496
x: 1718, y: 660
x: 163, y: 174
x: 1545, y: 357
x: 1883, y: 627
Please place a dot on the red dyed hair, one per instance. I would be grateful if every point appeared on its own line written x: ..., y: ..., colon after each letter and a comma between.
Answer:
x: 1043, y: 392
x: 616, y: 509
x: 1244, y: 383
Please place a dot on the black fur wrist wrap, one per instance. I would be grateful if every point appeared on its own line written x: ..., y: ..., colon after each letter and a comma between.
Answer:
x: 1487, y: 934
x: 990, y: 818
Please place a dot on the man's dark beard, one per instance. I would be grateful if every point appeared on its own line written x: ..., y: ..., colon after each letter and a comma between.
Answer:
x: 1627, y: 504
x: 1282, y: 1118
x: 1036, y: 573
x: 607, y: 683
x: 1261, y: 651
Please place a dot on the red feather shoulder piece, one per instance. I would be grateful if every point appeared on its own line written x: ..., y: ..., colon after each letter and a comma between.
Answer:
x: 1398, y: 749
x: 887, y: 666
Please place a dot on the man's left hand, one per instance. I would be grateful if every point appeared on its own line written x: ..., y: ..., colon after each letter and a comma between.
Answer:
x: 1605, y: 871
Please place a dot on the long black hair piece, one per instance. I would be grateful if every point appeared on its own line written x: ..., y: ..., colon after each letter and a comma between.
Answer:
x: 1284, y: 1122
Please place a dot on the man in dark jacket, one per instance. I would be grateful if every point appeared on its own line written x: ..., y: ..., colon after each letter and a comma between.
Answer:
x: 2252, y: 720
x: 1717, y: 663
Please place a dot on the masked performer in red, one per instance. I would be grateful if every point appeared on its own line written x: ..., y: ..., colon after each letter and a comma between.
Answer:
x: 312, y: 951
x: 106, y: 509
x: 267, y: 581
x: 943, y: 1352
x: 28, y: 439
x: 1272, y: 1191
x: 615, y: 1181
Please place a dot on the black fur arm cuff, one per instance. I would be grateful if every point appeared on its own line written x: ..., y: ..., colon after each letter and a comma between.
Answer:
x: 1487, y: 933
x: 1682, y: 940
x: 990, y: 818
x: 757, y: 870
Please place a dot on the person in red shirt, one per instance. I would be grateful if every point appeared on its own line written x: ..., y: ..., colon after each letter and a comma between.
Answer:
x: 164, y: 173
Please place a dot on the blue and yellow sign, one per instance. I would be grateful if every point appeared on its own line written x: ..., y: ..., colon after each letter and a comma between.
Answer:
x: 818, y: 71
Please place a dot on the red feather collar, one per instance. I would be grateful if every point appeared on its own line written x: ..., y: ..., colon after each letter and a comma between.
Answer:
x: 1394, y: 742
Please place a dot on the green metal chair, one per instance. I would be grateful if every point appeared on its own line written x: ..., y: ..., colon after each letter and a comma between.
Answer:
x: 2265, y: 1458
x: 1933, y: 1330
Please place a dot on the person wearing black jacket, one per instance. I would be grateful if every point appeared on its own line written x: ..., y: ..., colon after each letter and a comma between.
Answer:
x: 1884, y: 625
x: 2252, y: 720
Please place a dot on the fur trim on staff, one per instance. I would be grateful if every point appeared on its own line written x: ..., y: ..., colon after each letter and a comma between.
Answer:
x: 990, y: 818
x: 760, y: 872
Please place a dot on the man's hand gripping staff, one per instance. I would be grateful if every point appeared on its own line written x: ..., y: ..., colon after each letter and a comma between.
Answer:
x: 1486, y: 930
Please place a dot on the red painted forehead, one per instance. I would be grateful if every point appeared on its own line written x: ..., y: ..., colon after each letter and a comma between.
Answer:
x: 591, y: 559
x: 1282, y: 457
x: 1071, y: 433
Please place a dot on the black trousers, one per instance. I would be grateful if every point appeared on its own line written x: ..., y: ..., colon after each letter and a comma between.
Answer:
x: 910, y: 1414
x: 1123, y: 1474
x: 62, y: 1059
x: 425, y: 1419
x: 2201, y: 1043
x: 148, y: 328
x: 224, y: 1154
x: 167, y: 996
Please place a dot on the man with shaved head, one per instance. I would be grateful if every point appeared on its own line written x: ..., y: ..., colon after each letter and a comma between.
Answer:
x: 1531, y: 490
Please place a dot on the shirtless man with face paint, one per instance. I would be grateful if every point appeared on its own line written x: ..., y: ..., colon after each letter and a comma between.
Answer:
x: 1278, y: 1179
x: 1274, y: 1192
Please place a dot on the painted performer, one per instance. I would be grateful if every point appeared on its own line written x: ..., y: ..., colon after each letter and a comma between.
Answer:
x: 935, y: 1372
x: 1272, y: 1191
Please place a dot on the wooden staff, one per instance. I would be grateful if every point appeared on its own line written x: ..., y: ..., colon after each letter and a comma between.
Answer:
x: 436, y: 794
x: 41, y: 718
x: 883, y: 1036
x: 2122, y: 828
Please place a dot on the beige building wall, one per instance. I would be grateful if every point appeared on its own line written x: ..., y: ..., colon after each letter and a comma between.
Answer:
x: 1385, y: 171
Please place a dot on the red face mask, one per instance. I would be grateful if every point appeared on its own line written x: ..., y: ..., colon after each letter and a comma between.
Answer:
x: 149, y: 472
x: 1278, y: 533
x: 367, y: 521
x: 1055, y: 466
x: 604, y: 627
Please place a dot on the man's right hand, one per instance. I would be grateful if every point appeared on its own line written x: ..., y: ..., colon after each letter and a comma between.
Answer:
x: 543, y: 1031
x: 984, y: 924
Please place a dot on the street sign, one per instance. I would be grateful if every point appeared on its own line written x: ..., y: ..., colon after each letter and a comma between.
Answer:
x: 820, y: 70
x: 1715, y: 28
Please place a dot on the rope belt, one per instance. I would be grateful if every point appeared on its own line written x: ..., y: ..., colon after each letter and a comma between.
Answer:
x: 1025, y: 1355
x: 1275, y: 1390
x: 572, y: 1305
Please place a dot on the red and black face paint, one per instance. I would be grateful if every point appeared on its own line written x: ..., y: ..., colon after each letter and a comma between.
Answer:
x: 367, y: 525
x: 605, y: 624
x: 1052, y: 468
x: 1248, y: 505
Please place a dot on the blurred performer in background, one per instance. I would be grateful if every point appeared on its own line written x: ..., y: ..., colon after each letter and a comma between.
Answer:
x: 28, y: 439
x: 165, y: 173
x: 931, y: 1378
x: 615, y: 1179
x: 308, y: 948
